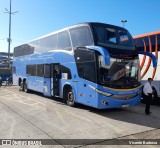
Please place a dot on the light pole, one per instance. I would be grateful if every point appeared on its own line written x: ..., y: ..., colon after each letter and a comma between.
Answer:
x: 9, y: 37
x: 124, y: 21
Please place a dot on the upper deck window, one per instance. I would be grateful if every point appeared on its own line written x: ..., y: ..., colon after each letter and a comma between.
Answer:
x: 64, y: 41
x: 81, y: 36
x: 114, y: 37
x: 22, y: 50
x: 49, y: 43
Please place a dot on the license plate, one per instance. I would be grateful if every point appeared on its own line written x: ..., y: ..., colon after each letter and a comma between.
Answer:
x: 125, y: 105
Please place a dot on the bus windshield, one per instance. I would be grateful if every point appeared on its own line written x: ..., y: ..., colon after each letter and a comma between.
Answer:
x: 113, y: 37
x: 122, y: 73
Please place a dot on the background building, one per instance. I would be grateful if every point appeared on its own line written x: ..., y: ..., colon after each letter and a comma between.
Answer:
x: 4, y: 59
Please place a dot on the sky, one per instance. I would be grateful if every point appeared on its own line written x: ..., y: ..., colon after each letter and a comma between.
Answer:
x: 36, y: 18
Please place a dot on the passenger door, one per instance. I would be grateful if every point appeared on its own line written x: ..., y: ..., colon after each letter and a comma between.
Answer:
x: 87, y: 71
x: 47, y: 80
x: 55, y: 80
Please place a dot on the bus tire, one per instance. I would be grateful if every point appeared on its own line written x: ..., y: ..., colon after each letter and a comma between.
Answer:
x: 26, y: 87
x: 21, y: 87
x: 69, y: 96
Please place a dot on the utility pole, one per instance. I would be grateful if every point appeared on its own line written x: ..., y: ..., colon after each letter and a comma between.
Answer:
x: 124, y: 21
x: 9, y: 37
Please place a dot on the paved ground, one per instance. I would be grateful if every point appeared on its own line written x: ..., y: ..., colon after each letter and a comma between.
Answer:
x: 32, y: 116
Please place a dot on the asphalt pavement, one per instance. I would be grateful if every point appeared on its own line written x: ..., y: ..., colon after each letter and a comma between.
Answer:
x: 30, y: 116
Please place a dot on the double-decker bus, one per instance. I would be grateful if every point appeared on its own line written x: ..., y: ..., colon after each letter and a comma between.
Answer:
x: 94, y: 64
x: 150, y: 42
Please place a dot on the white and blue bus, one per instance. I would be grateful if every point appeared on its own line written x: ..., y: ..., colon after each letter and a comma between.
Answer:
x: 94, y: 64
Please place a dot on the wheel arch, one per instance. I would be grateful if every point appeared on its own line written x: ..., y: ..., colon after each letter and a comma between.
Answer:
x: 66, y: 86
x: 21, y: 80
x: 24, y: 80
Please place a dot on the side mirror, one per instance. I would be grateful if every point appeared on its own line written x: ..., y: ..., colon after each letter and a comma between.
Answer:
x: 103, y: 52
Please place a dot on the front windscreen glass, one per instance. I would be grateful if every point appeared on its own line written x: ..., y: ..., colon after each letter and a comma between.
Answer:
x: 122, y: 73
x: 113, y: 37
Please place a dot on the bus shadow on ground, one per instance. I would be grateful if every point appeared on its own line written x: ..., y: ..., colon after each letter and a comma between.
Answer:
x: 133, y: 115
x: 56, y: 99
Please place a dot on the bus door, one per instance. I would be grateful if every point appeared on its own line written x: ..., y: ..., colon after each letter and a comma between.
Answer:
x: 55, y: 80
x: 47, y: 80
x: 86, y: 66
x: 86, y: 61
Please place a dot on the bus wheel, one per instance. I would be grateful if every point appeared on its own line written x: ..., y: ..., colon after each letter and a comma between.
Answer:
x: 69, y: 96
x: 21, y: 87
x: 25, y: 87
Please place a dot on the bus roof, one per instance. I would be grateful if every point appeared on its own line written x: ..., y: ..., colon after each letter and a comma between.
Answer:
x: 76, y: 25
x: 146, y: 34
x: 69, y: 27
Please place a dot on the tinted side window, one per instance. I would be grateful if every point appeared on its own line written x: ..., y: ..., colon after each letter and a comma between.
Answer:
x: 37, y: 46
x: 90, y: 71
x: 47, y: 71
x: 144, y: 41
x: 81, y: 36
x: 139, y: 44
x: 64, y: 41
x: 86, y: 64
x: 84, y: 55
x: 22, y: 50
x: 49, y: 43
x: 31, y: 70
x: 40, y: 70
x: 5, y: 71
x: 65, y: 70
x: 28, y: 70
